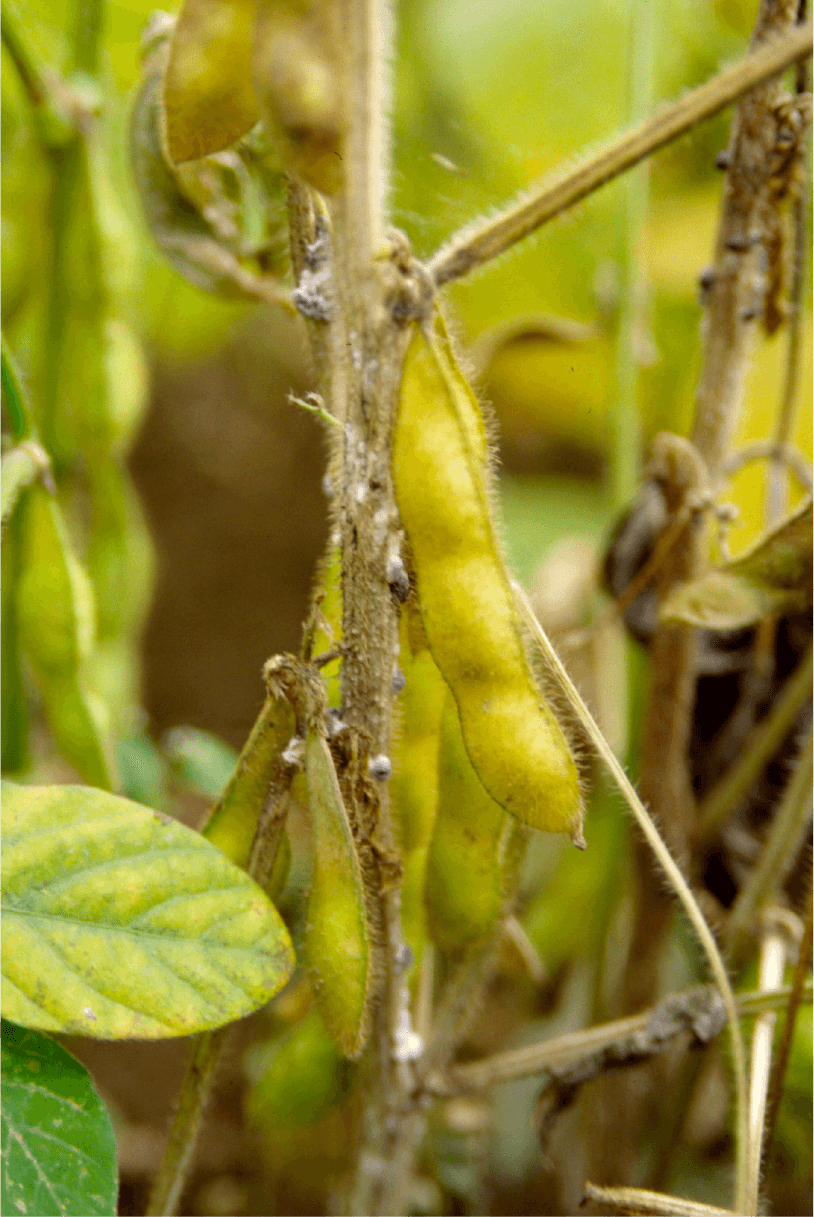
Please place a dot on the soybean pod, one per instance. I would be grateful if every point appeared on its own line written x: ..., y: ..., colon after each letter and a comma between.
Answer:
x: 414, y: 784
x: 511, y: 736
x: 260, y: 773
x: 56, y: 615
x: 464, y: 890
x: 337, y: 939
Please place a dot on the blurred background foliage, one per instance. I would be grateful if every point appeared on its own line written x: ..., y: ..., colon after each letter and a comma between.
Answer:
x: 192, y: 492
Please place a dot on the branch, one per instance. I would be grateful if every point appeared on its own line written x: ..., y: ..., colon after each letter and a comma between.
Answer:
x: 649, y: 1204
x: 580, y: 1046
x: 487, y: 239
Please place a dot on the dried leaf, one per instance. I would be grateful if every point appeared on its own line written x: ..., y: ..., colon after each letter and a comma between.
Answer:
x: 774, y: 578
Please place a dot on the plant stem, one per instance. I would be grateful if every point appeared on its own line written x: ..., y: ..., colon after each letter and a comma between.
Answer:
x: 785, y: 835
x: 487, y: 239
x: 532, y: 1059
x: 649, y: 1204
x: 758, y: 750
x: 675, y: 878
x: 796, y: 996
x: 772, y: 963
x: 800, y: 238
x: 195, y: 1091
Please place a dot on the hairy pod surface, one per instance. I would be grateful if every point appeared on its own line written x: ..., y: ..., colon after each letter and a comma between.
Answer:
x: 56, y: 617
x: 512, y: 738
x: 464, y: 888
x: 337, y: 938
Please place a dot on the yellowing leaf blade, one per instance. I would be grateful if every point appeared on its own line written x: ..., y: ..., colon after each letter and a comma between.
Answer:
x: 119, y: 923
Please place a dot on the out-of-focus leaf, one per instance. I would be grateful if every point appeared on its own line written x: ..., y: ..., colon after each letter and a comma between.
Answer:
x: 201, y: 760
x: 59, y: 1149
x: 772, y: 579
x: 296, y: 83
x: 143, y: 770
x: 121, y: 923
x: 208, y: 95
x: 299, y: 1078
x: 196, y: 212
x: 57, y: 628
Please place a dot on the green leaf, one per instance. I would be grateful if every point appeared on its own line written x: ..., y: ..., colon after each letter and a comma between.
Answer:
x: 209, y: 96
x: 121, y: 923
x: 772, y: 579
x: 59, y: 1150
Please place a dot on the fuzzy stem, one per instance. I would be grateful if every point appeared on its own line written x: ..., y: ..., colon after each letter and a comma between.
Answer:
x: 796, y: 997
x: 489, y: 238
x: 772, y: 962
x: 675, y: 878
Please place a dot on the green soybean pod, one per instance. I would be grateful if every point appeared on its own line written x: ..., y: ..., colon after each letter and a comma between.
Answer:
x: 513, y: 739
x: 232, y: 821
x: 329, y: 586
x: 414, y: 784
x: 337, y: 937
x: 55, y: 611
x: 464, y: 888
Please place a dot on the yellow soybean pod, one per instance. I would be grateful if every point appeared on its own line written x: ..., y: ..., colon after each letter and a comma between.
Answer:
x: 337, y: 937
x: 464, y: 890
x: 513, y: 740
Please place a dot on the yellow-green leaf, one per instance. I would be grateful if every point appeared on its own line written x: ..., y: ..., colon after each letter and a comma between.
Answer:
x: 119, y: 922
